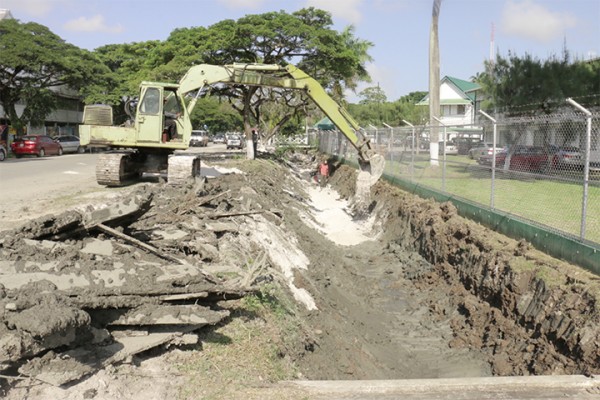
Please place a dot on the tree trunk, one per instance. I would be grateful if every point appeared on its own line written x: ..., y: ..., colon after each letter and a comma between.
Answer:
x: 248, y: 123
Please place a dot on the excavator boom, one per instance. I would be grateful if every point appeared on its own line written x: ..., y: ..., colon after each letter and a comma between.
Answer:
x: 287, y: 77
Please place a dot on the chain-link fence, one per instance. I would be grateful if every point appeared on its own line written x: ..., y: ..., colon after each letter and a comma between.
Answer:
x: 545, y: 169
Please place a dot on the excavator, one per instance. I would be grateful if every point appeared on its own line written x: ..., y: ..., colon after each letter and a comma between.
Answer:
x: 160, y: 123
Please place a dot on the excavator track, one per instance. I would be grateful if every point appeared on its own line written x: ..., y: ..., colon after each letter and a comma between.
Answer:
x: 112, y: 169
x: 183, y: 167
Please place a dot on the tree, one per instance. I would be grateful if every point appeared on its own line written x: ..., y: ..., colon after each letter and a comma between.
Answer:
x: 305, y: 38
x: 34, y: 61
x: 128, y: 66
x: 520, y: 85
x: 392, y: 113
x: 216, y: 115
x: 372, y: 95
x: 526, y: 85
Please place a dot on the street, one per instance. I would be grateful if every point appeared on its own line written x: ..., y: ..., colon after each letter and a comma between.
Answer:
x: 31, y: 187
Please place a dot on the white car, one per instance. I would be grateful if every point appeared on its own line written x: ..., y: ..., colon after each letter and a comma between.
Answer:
x: 451, y: 148
x: 569, y: 157
x: 69, y: 143
x: 199, y: 138
x: 235, y: 142
x: 483, y: 149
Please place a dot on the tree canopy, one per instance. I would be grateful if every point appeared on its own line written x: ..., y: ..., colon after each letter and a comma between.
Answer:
x: 305, y: 38
x: 525, y: 84
x: 34, y: 61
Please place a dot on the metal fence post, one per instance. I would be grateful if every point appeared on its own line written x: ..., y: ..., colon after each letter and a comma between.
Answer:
x: 494, y: 140
x: 391, y: 138
x: 412, y: 151
x: 443, y: 153
x: 586, y: 165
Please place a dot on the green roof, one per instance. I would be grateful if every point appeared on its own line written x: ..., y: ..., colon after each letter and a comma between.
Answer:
x: 325, y: 124
x: 465, y: 86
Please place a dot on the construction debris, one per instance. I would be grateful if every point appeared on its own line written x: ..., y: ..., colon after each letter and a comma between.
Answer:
x: 103, y: 287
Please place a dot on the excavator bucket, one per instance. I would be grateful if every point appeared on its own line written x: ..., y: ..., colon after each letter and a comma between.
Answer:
x: 374, y: 167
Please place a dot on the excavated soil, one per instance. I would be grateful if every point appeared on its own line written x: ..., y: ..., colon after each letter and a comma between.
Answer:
x: 398, y: 287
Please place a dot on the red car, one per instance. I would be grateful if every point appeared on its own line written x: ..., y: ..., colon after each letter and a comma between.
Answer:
x: 39, y: 145
x: 523, y: 158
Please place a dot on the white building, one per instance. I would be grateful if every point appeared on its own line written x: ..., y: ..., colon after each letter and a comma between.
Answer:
x: 458, y: 101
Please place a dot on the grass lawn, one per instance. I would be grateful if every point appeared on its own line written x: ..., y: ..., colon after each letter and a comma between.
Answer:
x: 552, y: 200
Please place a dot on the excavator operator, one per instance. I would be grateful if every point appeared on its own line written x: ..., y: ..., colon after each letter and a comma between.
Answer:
x: 171, y: 111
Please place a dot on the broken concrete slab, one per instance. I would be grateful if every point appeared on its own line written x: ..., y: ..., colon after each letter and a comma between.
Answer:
x: 25, y: 334
x: 71, y: 222
x: 99, y: 247
x: 61, y: 369
x: 173, y: 234
x: 170, y: 315
x: 160, y: 279
x: 118, y: 212
x: 222, y: 227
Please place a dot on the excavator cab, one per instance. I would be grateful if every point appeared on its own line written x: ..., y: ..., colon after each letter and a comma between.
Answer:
x: 158, y: 115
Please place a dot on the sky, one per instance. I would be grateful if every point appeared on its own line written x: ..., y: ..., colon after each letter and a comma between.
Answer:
x: 399, y: 29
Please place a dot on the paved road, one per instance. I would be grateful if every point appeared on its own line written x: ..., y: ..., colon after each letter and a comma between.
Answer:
x: 31, y: 187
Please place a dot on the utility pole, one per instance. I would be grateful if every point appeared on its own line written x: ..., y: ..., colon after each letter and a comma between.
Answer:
x: 434, y: 84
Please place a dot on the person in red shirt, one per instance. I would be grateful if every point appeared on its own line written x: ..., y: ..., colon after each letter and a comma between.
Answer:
x: 322, y: 173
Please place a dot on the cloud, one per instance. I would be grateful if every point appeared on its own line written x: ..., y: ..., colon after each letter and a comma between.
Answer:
x: 530, y: 20
x: 347, y: 10
x: 385, y: 77
x: 248, y: 4
x: 93, y: 24
x: 35, y: 8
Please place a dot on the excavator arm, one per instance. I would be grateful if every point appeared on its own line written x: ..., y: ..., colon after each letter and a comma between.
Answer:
x: 288, y: 77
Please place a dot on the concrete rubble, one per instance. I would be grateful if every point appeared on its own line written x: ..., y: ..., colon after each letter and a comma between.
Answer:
x: 83, y: 290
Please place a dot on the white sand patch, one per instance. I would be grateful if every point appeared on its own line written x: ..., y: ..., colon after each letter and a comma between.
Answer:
x: 283, y: 251
x: 333, y: 219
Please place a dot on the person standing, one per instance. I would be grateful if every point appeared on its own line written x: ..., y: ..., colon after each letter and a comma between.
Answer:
x: 322, y: 174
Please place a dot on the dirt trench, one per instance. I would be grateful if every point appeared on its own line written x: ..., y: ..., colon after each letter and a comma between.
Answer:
x: 424, y: 294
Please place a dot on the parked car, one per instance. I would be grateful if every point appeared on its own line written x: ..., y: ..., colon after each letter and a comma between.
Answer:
x: 523, y: 158
x: 219, y: 139
x: 235, y: 142
x: 3, y: 152
x: 69, y: 144
x: 569, y: 157
x: 464, y: 144
x: 199, y: 138
x: 482, y: 149
x: 450, y: 148
x: 39, y: 145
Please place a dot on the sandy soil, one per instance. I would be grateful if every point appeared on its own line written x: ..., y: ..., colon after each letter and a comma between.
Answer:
x: 385, y: 296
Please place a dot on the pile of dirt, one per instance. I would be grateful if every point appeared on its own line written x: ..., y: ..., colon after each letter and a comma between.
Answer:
x: 422, y: 292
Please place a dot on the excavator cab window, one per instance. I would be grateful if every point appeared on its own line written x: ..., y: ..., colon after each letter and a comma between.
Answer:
x: 151, y: 102
x: 171, y: 111
x: 171, y: 103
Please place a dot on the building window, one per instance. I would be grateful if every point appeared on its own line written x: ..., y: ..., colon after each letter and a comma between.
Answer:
x: 460, y: 109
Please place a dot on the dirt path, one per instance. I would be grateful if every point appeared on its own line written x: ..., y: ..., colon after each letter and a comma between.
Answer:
x: 386, y: 297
